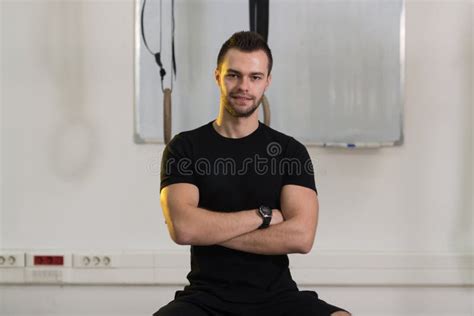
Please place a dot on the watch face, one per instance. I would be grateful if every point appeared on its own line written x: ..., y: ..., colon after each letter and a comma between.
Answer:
x: 265, y: 210
x: 266, y: 213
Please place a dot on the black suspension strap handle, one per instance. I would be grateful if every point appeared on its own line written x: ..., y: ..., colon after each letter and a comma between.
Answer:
x: 258, y: 14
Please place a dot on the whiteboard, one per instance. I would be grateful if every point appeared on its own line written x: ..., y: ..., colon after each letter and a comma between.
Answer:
x: 338, y: 70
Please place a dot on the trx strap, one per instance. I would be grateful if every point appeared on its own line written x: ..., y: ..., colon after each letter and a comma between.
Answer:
x: 157, y: 55
x: 259, y: 23
x: 259, y: 17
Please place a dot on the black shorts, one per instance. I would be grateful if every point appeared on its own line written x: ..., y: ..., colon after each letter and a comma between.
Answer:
x: 293, y: 303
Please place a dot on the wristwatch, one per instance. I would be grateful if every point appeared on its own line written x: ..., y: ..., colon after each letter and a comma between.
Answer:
x: 266, y: 213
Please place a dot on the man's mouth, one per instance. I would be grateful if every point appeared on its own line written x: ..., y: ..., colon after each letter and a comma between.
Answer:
x: 241, y: 97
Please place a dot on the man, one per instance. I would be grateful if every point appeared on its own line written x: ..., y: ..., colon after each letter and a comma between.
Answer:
x: 243, y: 196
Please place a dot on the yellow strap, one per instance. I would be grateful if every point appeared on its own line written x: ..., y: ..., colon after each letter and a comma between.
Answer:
x: 266, y: 111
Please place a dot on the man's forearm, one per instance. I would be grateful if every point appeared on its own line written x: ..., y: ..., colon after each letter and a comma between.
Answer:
x: 202, y: 227
x: 283, y: 238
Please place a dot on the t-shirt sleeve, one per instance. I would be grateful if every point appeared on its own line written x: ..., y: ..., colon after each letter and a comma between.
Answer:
x: 177, y: 162
x: 298, y: 168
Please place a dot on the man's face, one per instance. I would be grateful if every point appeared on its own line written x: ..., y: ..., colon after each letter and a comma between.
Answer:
x: 243, y: 79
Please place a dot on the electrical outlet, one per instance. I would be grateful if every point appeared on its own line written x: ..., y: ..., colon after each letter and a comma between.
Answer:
x: 12, y: 260
x: 94, y: 261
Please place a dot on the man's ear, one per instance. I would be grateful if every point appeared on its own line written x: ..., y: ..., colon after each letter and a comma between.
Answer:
x: 217, y: 75
x: 269, y: 80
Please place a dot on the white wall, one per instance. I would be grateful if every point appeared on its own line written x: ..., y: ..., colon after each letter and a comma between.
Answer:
x: 72, y: 178
x: 128, y: 301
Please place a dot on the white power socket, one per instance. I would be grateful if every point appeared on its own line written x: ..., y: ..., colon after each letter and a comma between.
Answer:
x: 12, y: 260
x: 94, y: 261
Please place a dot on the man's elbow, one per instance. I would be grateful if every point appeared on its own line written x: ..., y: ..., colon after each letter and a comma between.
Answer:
x: 182, y: 242
x: 188, y: 234
x: 306, y: 244
x: 305, y: 249
x: 179, y: 235
x: 180, y: 227
x: 183, y: 239
x: 180, y: 239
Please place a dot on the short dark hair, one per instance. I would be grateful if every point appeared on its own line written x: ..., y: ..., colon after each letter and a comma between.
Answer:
x: 246, y: 41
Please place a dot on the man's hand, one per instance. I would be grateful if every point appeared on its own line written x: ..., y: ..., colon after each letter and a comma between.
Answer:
x: 277, y: 217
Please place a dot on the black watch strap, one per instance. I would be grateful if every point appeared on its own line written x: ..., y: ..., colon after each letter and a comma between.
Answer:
x: 266, y: 213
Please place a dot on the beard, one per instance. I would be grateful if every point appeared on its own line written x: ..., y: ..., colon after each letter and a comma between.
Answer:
x: 240, y: 111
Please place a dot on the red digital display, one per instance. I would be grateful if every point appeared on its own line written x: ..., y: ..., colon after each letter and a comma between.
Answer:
x: 48, y: 260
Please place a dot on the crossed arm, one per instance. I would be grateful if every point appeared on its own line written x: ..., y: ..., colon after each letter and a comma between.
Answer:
x: 191, y: 225
x: 299, y: 206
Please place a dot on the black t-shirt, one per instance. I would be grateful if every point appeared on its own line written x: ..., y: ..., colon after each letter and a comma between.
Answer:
x: 235, y: 174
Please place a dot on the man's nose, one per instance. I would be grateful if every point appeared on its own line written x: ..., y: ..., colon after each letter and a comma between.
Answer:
x: 244, y: 83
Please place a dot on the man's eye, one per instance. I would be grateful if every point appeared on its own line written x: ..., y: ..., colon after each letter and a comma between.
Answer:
x: 257, y: 78
x: 231, y: 75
